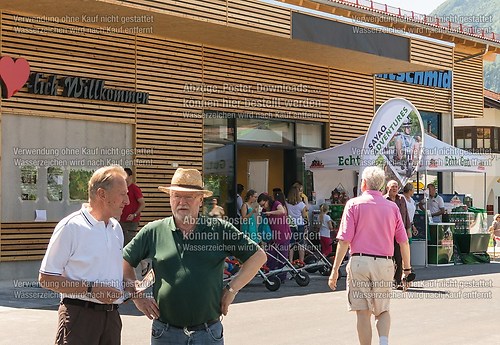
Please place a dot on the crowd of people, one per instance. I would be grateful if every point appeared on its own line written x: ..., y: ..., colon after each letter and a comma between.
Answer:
x: 91, y: 256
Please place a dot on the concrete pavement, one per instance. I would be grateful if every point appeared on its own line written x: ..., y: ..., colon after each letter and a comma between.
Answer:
x: 447, y: 305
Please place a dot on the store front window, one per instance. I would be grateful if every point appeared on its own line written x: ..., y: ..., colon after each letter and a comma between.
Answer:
x: 265, y: 131
x: 283, y: 143
x: 432, y: 126
x: 218, y: 174
x: 47, y: 163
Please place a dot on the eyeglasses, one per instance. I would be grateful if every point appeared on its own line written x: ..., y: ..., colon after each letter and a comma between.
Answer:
x: 187, y: 198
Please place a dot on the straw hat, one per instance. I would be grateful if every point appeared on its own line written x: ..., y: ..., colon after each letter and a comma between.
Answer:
x: 186, y: 180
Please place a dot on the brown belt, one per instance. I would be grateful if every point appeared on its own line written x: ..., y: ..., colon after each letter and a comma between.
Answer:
x: 90, y: 305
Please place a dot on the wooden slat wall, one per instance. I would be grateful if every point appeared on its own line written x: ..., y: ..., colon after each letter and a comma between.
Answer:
x: 168, y: 127
x: 164, y: 68
x: 225, y: 67
x: 468, y: 83
x: 259, y: 16
x: 351, y: 105
x: 214, y: 11
x: 70, y: 53
x: 250, y: 14
x: 431, y: 54
x: 423, y: 97
x: 25, y: 241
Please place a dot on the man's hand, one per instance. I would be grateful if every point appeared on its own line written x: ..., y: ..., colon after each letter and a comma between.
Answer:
x: 147, y: 306
x: 332, y: 281
x: 226, y: 300
x: 106, y: 294
x: 406, y: 279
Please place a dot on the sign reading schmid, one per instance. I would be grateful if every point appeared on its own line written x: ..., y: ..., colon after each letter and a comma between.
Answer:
x: 441, y: 79
x: 86, y: 88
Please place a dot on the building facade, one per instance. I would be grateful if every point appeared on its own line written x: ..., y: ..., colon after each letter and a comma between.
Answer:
x: 238, y: 89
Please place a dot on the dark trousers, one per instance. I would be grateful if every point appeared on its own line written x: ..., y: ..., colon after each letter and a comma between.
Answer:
x: 398, y: 263
x: 79, y: 325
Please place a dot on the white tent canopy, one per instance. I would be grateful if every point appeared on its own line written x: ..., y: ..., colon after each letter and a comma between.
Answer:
x: 437, y: 156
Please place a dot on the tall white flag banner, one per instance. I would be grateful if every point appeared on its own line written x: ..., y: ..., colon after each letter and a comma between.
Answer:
x: 394, y: 141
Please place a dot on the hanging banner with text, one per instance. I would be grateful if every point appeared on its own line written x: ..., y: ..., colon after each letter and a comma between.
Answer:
x: 394, y: 140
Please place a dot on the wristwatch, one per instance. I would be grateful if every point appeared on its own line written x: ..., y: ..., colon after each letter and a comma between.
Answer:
x: 231, y: 290
x: 134, y: 214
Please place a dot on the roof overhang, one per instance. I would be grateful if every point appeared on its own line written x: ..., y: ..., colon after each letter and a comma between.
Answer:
x: 466, y: 43
x: 176, y: 27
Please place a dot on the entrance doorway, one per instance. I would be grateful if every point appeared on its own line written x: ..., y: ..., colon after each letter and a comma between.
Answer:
x: 258, y: 174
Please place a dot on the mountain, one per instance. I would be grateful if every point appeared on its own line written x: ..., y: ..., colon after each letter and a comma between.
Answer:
x: 486, y: 12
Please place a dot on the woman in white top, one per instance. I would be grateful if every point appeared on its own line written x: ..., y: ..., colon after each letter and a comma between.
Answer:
x: 297, y: 211
x: 408, y: 191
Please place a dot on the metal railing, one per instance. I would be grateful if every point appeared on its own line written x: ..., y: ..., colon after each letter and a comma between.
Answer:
x: 433, y: 21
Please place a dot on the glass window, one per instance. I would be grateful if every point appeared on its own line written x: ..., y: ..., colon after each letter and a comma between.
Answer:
x: 43, y: 171
x: 310, y: 135
x: 218, y: 126
x: 218, y: 176
x: 495, y: 139
x: 432, y: 123
x: 78, y: 184
x: 487, y: 138
x: 468, y: 138
x: 29, y: 177
x: 55, y: 178
x: 265, y: 131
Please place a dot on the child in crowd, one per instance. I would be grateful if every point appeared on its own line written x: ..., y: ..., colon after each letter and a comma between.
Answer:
x: 326, y: 227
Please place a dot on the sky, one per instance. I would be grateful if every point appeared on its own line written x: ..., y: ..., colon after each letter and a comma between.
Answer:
x: 419, y: 6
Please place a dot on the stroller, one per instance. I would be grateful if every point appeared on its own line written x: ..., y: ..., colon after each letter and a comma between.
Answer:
x: 271, y: 279
x: 316, y: 261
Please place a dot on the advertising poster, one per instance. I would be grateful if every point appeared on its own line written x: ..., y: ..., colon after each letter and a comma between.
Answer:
x: 394, y: 140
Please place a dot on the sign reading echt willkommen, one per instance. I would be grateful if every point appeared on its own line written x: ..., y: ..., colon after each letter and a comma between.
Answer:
x: 86, y: 88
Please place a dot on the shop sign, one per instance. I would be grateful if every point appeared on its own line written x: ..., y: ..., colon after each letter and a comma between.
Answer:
x: 13, y: 75
x: 87, y: 88
x: 441, y: 79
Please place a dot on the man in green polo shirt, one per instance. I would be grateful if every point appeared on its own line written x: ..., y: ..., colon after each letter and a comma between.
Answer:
x: 188, y: 252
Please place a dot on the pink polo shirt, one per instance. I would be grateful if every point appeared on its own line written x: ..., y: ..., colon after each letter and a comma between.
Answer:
x: 370, y: 223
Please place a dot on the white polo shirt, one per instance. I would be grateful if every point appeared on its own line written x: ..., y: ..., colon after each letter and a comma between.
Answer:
x: 82, y: 248
x: 434, y: 205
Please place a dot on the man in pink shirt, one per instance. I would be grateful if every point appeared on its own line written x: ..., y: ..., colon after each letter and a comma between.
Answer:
x: 369, y: 225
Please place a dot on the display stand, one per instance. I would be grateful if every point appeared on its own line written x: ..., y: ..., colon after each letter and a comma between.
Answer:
x: 417, y: 253
x: 440, y: 244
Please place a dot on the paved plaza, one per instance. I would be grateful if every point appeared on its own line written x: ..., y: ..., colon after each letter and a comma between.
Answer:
x: 447, y: 305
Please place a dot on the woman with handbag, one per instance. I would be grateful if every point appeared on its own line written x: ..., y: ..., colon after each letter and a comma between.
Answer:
x: 277, y: 217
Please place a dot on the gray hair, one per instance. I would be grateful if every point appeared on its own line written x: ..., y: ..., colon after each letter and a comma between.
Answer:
x: 104, y: 178
x: 408, y: 187
x: 374, y: 177
x: 392, y: 182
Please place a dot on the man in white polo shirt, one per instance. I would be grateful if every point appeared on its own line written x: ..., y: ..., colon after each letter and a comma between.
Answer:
x: 84, y: 263
x: 435, y: 204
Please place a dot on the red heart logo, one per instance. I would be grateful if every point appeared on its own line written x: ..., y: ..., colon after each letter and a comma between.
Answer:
x: 14, y: 75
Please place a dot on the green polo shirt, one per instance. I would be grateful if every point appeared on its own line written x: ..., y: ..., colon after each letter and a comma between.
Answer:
x: 188, y: 271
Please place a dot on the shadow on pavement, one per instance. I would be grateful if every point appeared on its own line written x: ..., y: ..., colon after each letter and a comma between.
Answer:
x: 26, y: 296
